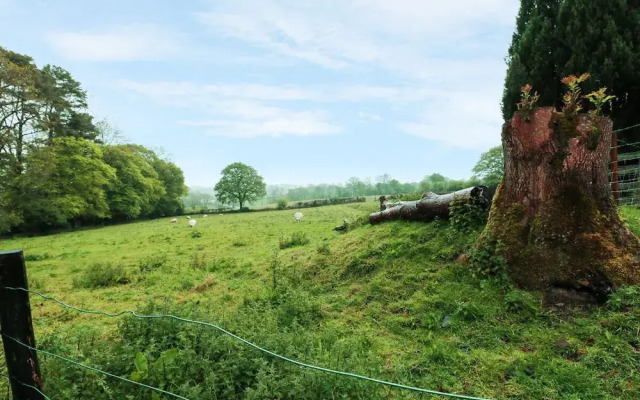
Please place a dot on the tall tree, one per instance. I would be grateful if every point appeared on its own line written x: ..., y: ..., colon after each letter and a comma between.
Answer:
x: 240, y: 183
x: 490, y: 168
x: 65, y: 181
x: 19, y: 105
x: 557, y: 38
x: 136, y: 189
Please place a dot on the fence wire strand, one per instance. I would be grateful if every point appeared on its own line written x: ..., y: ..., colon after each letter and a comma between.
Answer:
x: 36, y: 389
x: 76, y: 363
x: 255, y: 346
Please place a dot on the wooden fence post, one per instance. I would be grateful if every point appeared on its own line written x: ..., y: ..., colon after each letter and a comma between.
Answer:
x: 615, y: 187
x: 15, y: 322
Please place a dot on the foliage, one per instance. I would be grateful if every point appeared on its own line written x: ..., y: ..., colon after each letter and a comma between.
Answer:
x: 572, y: 99
x: 468, y: 214
x: 489, y: 169
x: 55, y: 169
x: 527, y: 101
x: 102, y: 275
x: 282, y: 204
x: 598, y: 98
x: 240, y: 184
x: 137, y: 187
x: 296, y: 239
x: 486, y: 258
x: 555, y: 38
x: 65, y: 181
x: 625, y: 298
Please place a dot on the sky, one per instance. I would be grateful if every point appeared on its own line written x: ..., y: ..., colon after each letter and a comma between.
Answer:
x: 306, y: 92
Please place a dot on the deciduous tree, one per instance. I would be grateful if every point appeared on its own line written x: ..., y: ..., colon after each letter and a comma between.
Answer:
x: 240, y: 184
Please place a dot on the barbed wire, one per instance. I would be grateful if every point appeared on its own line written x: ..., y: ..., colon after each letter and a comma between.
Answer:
x: 76, y: 363
x: 255, y: 346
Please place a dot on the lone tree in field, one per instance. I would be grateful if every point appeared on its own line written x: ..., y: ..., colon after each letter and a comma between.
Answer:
x: 553, y: 220
x: 240, y: 183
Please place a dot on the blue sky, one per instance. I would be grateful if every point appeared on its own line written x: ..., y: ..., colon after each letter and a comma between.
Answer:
x: 304, y: 91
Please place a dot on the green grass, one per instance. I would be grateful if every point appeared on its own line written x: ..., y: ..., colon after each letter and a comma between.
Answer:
x: 387, y: 301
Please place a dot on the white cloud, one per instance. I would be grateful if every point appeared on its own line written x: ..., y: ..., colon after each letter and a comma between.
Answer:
x: 336, y: 34
x: 191, y: 93
x: 126, y: 43
x: 267, y: 121
x: 463, y: 119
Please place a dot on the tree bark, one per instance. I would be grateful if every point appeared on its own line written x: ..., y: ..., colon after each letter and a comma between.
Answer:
x: 431, y: 205
x: 553, y: 218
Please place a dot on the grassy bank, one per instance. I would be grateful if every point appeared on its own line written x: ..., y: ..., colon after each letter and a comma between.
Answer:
x: 388, y: 301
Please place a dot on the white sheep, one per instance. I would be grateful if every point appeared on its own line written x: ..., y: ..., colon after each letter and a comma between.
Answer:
x: 204, y: 216
x: 298, y: 216
x: 188, y: 217
x: 174, y: 220
x: 192, y: 223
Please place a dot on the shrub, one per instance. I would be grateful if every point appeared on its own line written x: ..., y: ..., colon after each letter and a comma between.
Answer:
x: 468, y: 214
x: 282, y: 204
x: 101, y: 275
x: 486, y: 258
x: 625, y: 298
x: 152, y: 263
x: 323, y: 249
x: 296, y: 239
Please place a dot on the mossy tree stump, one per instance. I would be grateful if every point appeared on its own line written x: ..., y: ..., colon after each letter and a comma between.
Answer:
x: 553, y: 218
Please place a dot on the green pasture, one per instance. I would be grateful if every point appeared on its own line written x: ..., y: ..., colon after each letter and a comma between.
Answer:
x: 388, y: 301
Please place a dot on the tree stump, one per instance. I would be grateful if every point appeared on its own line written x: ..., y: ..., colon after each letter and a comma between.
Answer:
x: 553, y: 218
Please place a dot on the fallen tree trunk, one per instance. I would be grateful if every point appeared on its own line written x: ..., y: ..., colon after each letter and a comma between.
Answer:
x: 430, y: 206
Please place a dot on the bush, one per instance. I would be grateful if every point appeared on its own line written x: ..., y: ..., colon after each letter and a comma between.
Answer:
x: 468, y: 214
x: 296, y: 239
x: 102, y: 275
x: 282, y: 204
x: 625, y: 298
x: 152, y: 263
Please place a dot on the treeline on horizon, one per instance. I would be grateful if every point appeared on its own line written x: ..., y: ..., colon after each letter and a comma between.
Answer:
x: 487, y: 172
x: 59, y: 168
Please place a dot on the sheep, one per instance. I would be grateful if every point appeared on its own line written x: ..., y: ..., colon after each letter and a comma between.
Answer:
x: 204, y: 216
x: 298, y: 216
x: 174, y: 220
x: 188, y: 217
x: 192, y: 223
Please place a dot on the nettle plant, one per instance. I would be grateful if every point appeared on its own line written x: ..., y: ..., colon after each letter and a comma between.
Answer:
x: 527, y: 102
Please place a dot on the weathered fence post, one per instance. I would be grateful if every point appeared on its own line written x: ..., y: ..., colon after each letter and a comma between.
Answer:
x: 15, y: 324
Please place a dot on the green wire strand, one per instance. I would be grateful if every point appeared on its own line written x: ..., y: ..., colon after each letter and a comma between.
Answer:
x: 627, y: 128
x: 94, y: 369
x: 255, y: 346
x: 36, y: 389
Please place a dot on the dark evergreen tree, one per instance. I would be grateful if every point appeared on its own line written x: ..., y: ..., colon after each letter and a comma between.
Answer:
x: 557, y: 38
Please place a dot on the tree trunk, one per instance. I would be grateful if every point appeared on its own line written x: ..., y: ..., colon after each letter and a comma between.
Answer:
x: 431, y: 205
x: 553, y: 218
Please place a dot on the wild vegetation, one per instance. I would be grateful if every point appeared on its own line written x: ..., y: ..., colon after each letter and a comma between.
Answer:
x: 388, y: 301
x: 59, y: 169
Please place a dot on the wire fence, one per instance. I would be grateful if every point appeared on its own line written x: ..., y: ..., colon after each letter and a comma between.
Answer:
x: 220, y: 329
x: 624, y: 169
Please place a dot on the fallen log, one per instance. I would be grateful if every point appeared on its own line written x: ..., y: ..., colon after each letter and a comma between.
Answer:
x: 430, y: 206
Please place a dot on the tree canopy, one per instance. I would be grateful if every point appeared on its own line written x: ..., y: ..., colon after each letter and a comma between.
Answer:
x: 557, y: 38
x: 240, y: 184
x: 56, y: 167
x: 490, y: 168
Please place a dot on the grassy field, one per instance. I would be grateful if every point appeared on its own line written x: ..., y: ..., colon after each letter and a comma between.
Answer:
x: 388, y: 301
